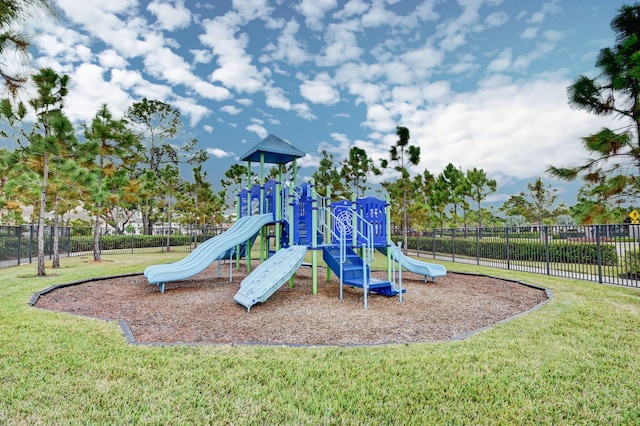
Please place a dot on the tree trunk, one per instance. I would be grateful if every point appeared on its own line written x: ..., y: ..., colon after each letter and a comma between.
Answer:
x: 96, y: 240
x: 43, y: 201
x: 169, y: 220
x: 405, y: 219
x: 55, y: 236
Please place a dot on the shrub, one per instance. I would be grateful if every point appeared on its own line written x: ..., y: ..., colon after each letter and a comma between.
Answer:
x: 518, y: 249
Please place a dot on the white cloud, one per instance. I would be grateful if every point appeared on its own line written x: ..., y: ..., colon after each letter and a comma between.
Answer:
x: 303, y: 111
x: 288, y: 47
x: 231, y: 109
x: 341, y: 45
x: 89, y: 90
x: 171, y: 15
x: 529, y: 33
x: 497, y: 19
x: 201, y: 56
x: 511, y: 129
x: 252, y: 9
x: 502, y: 62
x: 380, y: 119
x: 235, y: 69
x: 219, y: 153
x: 207, y: 128
x: 314, y: 11
x: 210, y: 91
x: 258, y: 130
x: 110, y: 59
x: 274, y: 98
x: 351, y: 8
x: 191, y: 108
x: 320, y: 90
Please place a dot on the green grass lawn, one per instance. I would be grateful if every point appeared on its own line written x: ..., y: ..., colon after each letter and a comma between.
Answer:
x: 574, y: 361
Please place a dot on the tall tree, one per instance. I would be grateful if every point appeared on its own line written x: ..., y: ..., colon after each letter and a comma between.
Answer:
x: 535, y: 204
x: 424, y: 188
x: 480, y: 186
x: 326, y: 175
x: 197, y: 203
x: 455, y: 181
x: 112, y: 143
x: 13, y: 13
x: 614, y: 155
x: 48, y: 138
x: 543, y: 196
x: 232, y: 184
x: 438, y: 201
x: 356, y: 170
x: 170, y: 181
x: 158, y: 128
x: 403, y: 155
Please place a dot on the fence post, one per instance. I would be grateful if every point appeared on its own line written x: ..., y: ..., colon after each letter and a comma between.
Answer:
x: 546, y: 249
x: 19, y: 245
x: 506, y: 234
x: 478, y: 231
x: 598, y: 253
x: 433, y: 244
x: 453, y: 245
x: 68, y: 241
x: 50, y: 242
x: 31, y: 243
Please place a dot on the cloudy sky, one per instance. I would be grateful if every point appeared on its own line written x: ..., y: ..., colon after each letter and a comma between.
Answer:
x: 479, y: 83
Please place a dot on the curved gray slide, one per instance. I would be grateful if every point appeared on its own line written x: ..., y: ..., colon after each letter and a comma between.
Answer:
x: 427, y: 269
x: 198, y: 260
x: 269, y: 276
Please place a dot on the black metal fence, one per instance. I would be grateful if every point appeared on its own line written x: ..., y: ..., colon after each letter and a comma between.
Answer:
x: 19, y: 244
x: 602, y: 253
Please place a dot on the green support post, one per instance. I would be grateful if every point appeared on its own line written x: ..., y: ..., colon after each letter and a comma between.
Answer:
x: 261, y: 209
x: 354, y: 225
x: 314, y: 238
x: 238, y: 246
x: 278, y: 208
x: 291, y: 220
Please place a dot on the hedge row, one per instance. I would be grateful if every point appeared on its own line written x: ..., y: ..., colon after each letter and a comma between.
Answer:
x: 536, y: 251
x: 10, y: 246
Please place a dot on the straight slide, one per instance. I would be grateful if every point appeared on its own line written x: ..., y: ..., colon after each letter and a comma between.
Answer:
x: 260, y: 284
x: 427, y: 269
x: 242, y: 230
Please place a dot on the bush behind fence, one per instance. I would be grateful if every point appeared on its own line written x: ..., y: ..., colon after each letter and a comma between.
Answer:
x: 21, y: 244
x: 535, y: 251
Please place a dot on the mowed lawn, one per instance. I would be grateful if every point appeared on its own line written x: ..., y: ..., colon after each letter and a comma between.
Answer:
x: 576, y: 360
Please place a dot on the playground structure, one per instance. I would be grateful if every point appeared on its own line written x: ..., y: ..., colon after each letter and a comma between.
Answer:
x: 346, y: 232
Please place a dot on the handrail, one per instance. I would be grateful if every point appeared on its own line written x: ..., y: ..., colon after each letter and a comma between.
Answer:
x: 394, y: 252
x: 341, y: 238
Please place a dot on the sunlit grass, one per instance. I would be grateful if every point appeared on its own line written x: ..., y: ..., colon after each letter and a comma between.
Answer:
x: 574, y: 361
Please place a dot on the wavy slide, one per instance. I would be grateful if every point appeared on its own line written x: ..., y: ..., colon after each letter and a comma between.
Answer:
x: 209, y: 251
x: 260, y: 284
x: 427, y: 269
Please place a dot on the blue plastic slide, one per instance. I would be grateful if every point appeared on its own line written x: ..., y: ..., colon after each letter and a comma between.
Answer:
x: 269, y: 276
x: 203, y: 256
x: 427, y: 269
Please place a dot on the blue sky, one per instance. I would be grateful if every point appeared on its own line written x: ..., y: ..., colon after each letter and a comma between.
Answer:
x: 479, y: 83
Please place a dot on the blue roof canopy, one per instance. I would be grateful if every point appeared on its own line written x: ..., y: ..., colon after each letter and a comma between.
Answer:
x: 275, y: 150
